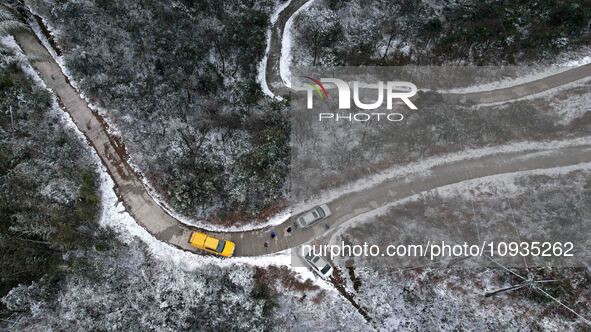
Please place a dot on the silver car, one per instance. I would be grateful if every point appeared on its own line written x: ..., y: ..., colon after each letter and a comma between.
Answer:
x: 308, y: 218
x: 319, y: 265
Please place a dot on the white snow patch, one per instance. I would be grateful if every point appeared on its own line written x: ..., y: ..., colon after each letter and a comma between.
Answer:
x: 576, y: 62
x: 370, y: 216
x: 505, y: 182
x: 572, y: 107
x: 64, y: 117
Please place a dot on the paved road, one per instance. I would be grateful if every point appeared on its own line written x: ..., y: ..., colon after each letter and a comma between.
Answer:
x: 525, y: 89
x: 166, y: 228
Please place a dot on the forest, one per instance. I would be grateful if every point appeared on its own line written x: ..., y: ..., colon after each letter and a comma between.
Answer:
x: 177, y: 81
x: 440, y: 32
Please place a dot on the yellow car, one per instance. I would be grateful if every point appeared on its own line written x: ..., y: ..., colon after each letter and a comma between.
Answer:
x: 209, y: 243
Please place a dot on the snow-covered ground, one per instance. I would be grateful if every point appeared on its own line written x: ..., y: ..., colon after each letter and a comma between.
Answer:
x: 376, y: 292
x: 572, y: 107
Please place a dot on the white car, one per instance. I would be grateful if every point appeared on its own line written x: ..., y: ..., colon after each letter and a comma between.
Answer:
x: 319, y: 265
x: 308, y: 218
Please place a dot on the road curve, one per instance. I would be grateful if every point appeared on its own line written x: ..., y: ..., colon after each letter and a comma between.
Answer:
x: 272, y: 69
x: 165, y: 228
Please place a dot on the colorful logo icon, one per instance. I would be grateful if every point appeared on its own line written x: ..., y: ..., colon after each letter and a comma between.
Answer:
x: 318, y: 87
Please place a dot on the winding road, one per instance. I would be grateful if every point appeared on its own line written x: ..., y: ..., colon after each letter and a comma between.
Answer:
x: 272, y: 67
x: 166, y: 228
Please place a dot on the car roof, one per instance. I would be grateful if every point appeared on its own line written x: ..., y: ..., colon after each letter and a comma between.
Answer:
x: 308, y: 217
x: 316, y: 260
x: 198, y: 238
x: 211, y: 243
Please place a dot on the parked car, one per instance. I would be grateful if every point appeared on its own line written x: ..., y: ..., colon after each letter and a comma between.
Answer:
x: 308, y: 218
x: 318, y: 264
x: 211, y: 244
